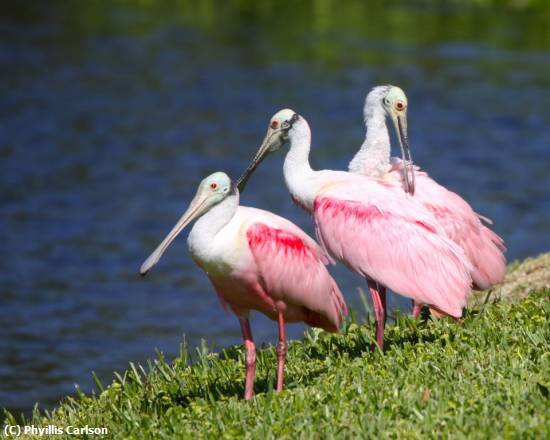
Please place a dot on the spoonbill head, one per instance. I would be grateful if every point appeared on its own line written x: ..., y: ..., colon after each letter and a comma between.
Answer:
x: 212, y: 190
x: 275, y: 138
x: 394, y: 102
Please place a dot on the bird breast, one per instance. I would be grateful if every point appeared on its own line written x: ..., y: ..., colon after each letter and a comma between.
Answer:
x: 218, y: 253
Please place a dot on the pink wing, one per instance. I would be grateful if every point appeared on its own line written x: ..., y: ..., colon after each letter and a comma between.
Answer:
x: 381, y: 233
x: 483, y: 247
x: 292, y: 271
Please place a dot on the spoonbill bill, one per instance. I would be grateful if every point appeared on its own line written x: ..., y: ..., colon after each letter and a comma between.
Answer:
x: 373, y: 227
x: 482, y: 246
x: 257, y: 260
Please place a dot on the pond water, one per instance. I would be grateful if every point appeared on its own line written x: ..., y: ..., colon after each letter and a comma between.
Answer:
x: 111, y: 114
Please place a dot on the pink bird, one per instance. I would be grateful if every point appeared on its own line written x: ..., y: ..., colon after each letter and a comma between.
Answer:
x: 373, y: 227
x: 483, y: 247
x: 257, y: 260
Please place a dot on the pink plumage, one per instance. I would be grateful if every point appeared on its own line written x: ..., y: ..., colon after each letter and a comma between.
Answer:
x: 381, y: 235
x: 283, y: 270
x: 484, y: 248
x: 371, y: 225
x: 257, y: 260
x: 272, y: 266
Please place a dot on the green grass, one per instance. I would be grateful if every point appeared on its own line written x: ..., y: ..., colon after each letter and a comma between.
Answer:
x: 487, y: 376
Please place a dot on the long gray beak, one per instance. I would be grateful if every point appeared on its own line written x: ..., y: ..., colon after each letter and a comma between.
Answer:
x: 196, y: 208
x: 271, y: 140
x: 400, y: 123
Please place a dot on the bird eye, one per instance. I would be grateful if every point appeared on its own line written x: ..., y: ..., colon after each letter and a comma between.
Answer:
x: 213, y: 185
x: 386, y: 101
x: 274, y: 125
x: 399, y: 105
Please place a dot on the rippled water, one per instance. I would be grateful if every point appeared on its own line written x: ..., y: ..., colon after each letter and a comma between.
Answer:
x: 111, y: 115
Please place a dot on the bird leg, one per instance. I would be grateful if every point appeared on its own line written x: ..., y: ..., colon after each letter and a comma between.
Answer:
x: 378, y: 295
x: 281, y: 352
x: 250, y: 357
x: 417, y: 309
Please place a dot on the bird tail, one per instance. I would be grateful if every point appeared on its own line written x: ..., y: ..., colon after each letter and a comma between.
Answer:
x: 490, y: 264
x: 330, y: 322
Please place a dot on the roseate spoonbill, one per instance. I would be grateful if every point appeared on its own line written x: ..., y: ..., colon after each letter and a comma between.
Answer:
x: 257, y: 260
x: 374, y: 228
x: 483, y: 247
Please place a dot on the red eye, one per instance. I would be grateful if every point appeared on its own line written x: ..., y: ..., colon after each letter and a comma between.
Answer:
x: 274, y: 125
x: 213, y: 185
x: 399, y: 106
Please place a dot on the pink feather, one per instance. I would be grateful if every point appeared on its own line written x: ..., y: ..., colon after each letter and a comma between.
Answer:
x: 392, y: 239
x: 483, y: 247
x: 284, y: 269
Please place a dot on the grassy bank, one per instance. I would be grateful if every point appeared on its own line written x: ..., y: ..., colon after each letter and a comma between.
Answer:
x: 521, y: 279
x: 486, y: 376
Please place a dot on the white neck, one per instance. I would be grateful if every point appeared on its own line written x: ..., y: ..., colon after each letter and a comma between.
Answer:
x: 209, y: 224
x: 297, y: 170
x: 373, y: 157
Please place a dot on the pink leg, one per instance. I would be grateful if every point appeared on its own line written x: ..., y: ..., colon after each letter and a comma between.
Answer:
x: 250, y: 358
x: 378, y: 295
x: 281, y: 352
x: 417, y: 309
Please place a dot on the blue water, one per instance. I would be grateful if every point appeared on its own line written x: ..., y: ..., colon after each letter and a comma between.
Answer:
x: 107, y: 126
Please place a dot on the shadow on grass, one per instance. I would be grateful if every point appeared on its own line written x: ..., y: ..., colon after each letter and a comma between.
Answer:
x: 356, y: 341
